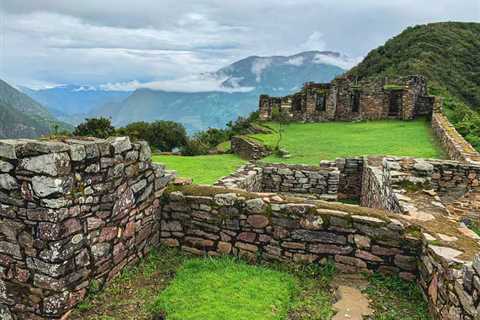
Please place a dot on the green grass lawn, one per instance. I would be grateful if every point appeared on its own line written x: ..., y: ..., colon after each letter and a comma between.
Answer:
x: 308, y: 143
x: 216, y: 289
x: 202, y: 169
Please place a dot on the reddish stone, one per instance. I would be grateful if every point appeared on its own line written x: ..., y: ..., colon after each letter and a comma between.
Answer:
x: 107, y: 234
x: 365, y: 255
x: 129, y: 230
x: 258, y: 221
x: 71, y: 226
x: 170, y: 242
x: 247, y: 236
x: 22, y: 275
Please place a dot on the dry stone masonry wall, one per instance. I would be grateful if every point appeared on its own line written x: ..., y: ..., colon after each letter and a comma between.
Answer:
x: 453, y: 143
x: 72, y: 212
x: 248, y: 149
x: 351, y: 99
x: 213, y: 221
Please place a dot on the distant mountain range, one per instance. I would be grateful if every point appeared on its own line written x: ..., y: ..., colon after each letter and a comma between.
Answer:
x: 23, y: 117
x: 71, y: 103
x: 239, y: 86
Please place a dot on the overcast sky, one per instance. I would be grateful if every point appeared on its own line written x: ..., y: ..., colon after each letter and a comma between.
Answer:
x: 94, y: 42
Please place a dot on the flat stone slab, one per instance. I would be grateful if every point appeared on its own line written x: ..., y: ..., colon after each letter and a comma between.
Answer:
x: 351, y: 303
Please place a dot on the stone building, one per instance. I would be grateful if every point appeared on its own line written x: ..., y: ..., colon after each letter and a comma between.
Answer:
x: 348, y: 99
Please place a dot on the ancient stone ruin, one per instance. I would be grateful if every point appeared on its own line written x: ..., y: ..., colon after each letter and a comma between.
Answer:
x: 75, y: 212
x: 348, y: 99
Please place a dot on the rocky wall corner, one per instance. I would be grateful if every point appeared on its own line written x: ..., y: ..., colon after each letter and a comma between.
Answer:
x: 72, y: 212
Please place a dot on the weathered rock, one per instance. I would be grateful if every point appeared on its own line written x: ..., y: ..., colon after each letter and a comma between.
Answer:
x: 44, y: 186
x: 5, y: 166
x: 120, y: 144
x: 52, y: 164
x: 7, y: 182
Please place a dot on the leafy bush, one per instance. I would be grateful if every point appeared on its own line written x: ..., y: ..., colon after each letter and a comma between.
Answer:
x: 95, y: 127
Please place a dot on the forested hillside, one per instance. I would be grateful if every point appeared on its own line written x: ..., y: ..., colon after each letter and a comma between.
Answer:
x: 448, y: 54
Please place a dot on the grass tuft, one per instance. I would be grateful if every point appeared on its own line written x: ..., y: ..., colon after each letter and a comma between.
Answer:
x: 394, y: 298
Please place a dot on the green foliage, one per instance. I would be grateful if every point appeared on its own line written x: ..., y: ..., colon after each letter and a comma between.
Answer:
x: 393, y: 298
x: 95, y: 127
x: 202, y: 169
x: 391, y: 87
x: 204, y: 142
x: 226, y: 287
x: 308, y: 143
x: 161, y: 135
x: 446, y: 54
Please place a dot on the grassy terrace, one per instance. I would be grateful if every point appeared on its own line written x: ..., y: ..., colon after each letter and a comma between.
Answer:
x: 202, y: 169
x: 311, y: 142
x: 308, y: 143
x: 169, y: 284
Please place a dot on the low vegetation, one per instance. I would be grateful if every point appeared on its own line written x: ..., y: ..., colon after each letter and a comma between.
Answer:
x: 170, y: 284
x: 393, y: 298
x: 308, y: 143
x: 201, y: 169
x: 211, y: 289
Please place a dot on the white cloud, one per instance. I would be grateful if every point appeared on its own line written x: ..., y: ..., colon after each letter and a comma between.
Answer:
x: 91, y: 42
x: 258, y: 66
x: 194, y: 83
x: 315, y: 41
x: 341, y: 61
x: 296, y: 61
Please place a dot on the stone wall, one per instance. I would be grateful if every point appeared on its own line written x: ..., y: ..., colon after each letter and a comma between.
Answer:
x: 72, y: 212
x: 452, y: 142
x: 213, y: 221
x: 248, y: 149
x: 313, y: 180
x: 335, y: 101
x: 331, y: 180
x: 248, y: 177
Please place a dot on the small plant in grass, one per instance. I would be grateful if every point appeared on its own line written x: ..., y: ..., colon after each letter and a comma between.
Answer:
x: 282, y: 119
x: 393, y: 298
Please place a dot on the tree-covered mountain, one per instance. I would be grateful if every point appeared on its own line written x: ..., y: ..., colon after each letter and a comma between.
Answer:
x: 23, y: 117
x: 448, y: 55
x: 241, y: 83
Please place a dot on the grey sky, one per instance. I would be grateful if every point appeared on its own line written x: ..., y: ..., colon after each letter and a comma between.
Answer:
x: 48, y: 42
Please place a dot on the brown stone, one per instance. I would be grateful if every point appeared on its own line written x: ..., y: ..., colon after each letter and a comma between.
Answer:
x: 408, y: 263
x: 258, y: 221
x: 293, y: 245
x: 350, y: 261
x: 129, y: 230
x: 170, y: 242
x: 365, y: 255
x: 246, y: 246
x: 224, y: 247
x: 247, y: 236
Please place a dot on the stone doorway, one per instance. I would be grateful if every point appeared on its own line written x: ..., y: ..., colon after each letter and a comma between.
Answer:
x: 394, y: 103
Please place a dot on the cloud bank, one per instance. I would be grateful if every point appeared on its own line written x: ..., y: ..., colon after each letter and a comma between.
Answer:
x: 164, y: 44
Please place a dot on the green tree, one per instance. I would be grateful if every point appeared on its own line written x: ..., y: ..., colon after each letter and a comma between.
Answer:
x: 95, y: 127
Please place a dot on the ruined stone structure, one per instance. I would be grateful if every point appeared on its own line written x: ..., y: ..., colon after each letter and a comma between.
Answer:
x: 77, y: 211
x: 72, y: 212
x: 347, y: 99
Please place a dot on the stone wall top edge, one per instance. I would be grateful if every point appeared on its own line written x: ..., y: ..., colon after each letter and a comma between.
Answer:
x: 12, y: 149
